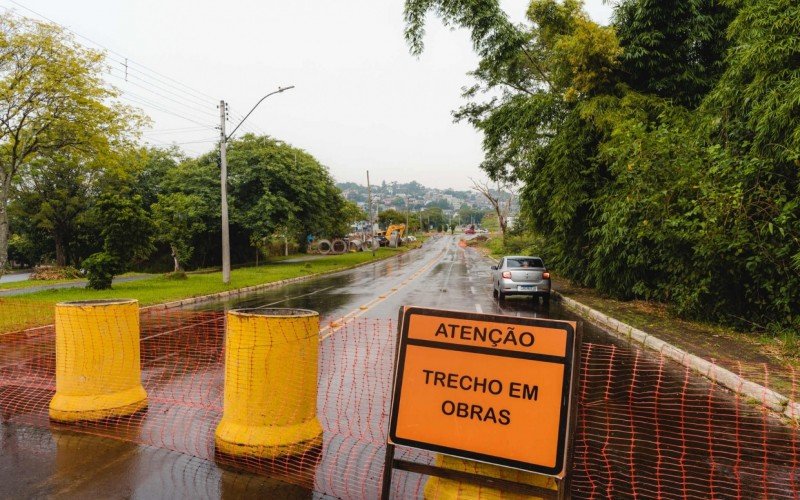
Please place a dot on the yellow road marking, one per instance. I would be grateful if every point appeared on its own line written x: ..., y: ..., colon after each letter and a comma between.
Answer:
x: 338, y: 324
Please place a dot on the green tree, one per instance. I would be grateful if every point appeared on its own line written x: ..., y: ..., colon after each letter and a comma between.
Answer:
x: 352, y: 213
x: 673, y: 48
x: 274, y: 187
x: 54, y: 193
x: 53, y: 99
x: 758, y: 96
x: 149, y: 168
x: 272, y: 182
x: 391, y: 216
x: 432, y: 216
x: 178, y: 220
x: 538, y: 127
x: 127, y: 232
x: 22, y: 250
x: 198, y: 179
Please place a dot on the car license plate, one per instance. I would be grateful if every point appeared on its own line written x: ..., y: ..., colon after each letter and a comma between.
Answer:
x: 526, y: 288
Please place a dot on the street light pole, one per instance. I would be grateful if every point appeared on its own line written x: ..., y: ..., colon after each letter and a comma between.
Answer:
x: 408, y: 228
x: 223, y: 182
x: 223, y: 164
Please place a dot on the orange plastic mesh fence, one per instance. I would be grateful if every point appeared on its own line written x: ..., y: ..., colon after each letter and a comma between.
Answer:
x: 646, y: 427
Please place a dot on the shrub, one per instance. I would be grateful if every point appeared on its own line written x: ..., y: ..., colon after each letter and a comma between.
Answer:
x: 100, y: 268
x: 176, y: 275
x: 54, y: 273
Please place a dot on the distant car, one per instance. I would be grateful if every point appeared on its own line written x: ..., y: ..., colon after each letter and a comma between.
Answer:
x: 521, y: 275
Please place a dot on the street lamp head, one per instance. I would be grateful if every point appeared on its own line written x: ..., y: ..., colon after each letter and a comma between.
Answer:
x: 280, y: 89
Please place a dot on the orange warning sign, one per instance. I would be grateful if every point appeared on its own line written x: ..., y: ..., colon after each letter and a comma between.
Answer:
x: 484, y: 387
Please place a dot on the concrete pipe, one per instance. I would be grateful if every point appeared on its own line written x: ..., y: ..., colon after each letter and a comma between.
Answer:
x: 338, y: 246
x: 355, y: 245
x: 270, y: 400
x: 324, y: 247
x: 98, y: 371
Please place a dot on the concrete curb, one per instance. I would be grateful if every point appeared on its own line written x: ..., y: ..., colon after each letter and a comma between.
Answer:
x: 755, y: 392
x: 263, y: 286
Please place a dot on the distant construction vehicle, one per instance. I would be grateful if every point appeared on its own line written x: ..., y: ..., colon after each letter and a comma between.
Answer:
x: 394, y: 234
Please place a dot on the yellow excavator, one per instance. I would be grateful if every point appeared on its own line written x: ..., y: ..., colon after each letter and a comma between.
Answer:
x: 395, y: 241
x: 400, y: 228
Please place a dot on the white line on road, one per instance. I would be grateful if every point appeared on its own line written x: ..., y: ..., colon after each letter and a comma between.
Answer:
x: 478, y: 308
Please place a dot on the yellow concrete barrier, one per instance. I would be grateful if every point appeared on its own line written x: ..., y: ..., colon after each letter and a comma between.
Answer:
x: 446, y: 489
x: 98, y: 372
x: 270, y: 402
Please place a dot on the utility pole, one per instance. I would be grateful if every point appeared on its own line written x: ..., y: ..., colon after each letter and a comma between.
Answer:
x: 408, y: 228
x: 369, y: 215
x: 223, y: 164
x: 223, y: 167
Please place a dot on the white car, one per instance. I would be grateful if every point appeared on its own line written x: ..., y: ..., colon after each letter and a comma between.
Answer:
x: 521, y: 275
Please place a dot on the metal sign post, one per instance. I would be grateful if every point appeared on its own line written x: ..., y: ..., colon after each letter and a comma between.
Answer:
x: 494, y: 389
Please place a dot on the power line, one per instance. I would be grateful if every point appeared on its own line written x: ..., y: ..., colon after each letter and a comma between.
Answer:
x: 128, y: 60
x: 149, y: 86
x: 189, y: 110
x: 179, y: 103
x: 139, y: 101
x: 193, y: 104
x: 248, y: 127
x: 203, y: 141
x: 200, y: 120
x: 176, y: 130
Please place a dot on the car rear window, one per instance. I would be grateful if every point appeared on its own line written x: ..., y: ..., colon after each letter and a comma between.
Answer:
x: 524, y: 263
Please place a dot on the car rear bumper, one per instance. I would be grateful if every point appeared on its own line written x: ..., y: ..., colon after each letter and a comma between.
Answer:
x: 527, y: 294
x: 540, y: 288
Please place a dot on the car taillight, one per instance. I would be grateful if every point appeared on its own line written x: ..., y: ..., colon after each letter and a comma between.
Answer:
x: 546, y: 275
x: 507, y: 275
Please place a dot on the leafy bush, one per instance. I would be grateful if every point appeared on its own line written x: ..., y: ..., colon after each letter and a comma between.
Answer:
x: 100, y: 268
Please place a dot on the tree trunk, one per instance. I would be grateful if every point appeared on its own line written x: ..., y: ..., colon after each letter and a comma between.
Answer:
x: 175, y: 259
x: 61, y: 254
x: 4, y: 230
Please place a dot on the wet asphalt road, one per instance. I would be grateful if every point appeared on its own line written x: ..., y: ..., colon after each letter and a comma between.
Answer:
x: 440, y: 275
x: 353, y: 394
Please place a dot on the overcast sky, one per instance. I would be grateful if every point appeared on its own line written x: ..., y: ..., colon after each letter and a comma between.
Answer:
x: 361, y: 101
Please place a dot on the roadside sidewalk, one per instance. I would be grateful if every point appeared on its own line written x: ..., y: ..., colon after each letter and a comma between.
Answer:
x: 739, y: 353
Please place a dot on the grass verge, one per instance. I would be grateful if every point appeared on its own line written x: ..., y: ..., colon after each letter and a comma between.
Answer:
x: 37, y: 308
